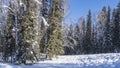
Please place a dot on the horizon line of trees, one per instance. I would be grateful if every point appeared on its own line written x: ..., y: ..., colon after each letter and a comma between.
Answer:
x: 95, y: 34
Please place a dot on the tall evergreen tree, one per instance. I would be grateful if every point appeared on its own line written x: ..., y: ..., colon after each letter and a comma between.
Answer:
x: 107, y: 32
x: 30, y: 32
x: 10, y: 30
x: 94, y: 40
x: 104, y: 21
x: 101, y: 30
x: 55, y: 43
x: 116, y: 29
x: 2, y: 26
x: 77, y: 39
x: 45, y: 29
x: 88, y: 45
x: 82, y: 34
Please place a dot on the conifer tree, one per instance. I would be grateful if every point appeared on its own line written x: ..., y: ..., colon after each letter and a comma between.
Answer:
x: 45, y: 29
x: 10, y: 32
x: 55, y: 43
x: 82, y: 34
x: 77, y: 46
x: 2, y: 26
x: 107, y: 32
x: 101, y: 30
x: 87, y: 46
x: 116, y: 29
x: 30, y: 32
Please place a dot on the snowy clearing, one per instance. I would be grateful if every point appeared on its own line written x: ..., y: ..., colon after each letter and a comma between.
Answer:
x: 111, y: 60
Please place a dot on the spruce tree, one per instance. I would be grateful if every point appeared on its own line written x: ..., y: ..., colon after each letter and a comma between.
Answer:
x: 82, y: 34
x: 116, y: 29
x: 87, y: 46
x: 55, y: 43
x: 101, y: 30
x: 28, y: 26
x: 107, y: 30
x: 94, y: 39
x: 10, y: 33
x: 77, y: 39
x: 45, y: 29
x: 103, y: 21
x: 2, y: 26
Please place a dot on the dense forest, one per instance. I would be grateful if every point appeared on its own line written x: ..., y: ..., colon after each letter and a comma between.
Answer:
x: 30, y: 28
x: 99, y: 33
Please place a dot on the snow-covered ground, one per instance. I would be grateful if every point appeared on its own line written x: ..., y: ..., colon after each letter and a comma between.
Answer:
x: 111, y: 60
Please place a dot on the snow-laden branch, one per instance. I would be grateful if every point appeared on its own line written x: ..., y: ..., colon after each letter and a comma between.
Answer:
x: 43, y: 19
x: 5, y: 6
x: 21, y: 3
x: 45, y: 22
x: 38, y: 2
x: 72, y: 39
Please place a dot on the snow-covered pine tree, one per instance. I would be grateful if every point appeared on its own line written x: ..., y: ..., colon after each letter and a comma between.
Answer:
x: 55, y: 43
x: 82, y: 34
x: 23, y: 30
x: 116, y: 29
x: 11, y: 30
x: 2, y: 26
x: 77, y: 38
x: 105, y: 27
x: 107, y: 33
x: 100, y: 30
x: 29, y: 46
x: 44, y: 27
x: 88, y: 44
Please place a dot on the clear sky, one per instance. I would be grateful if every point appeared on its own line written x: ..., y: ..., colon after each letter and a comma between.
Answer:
x: 79, y: 8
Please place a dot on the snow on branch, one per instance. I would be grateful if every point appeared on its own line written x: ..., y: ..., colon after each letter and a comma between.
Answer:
x: 21, y: 3
x: 5, y: 6
x: 38, y: 2
x: 45, y: 22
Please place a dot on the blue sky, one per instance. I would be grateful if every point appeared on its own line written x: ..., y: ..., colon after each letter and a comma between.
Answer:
x: 79, y: 8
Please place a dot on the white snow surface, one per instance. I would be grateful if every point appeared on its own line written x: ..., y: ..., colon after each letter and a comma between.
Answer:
x: 111, y: 60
